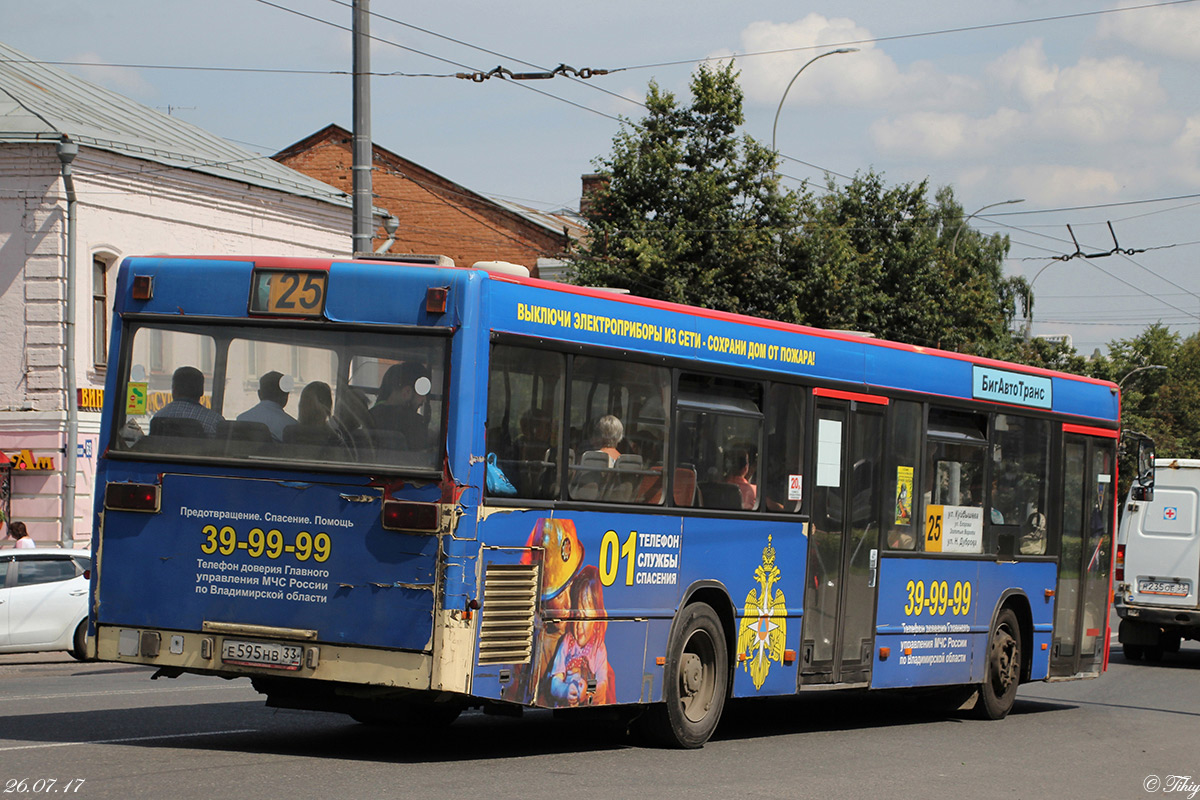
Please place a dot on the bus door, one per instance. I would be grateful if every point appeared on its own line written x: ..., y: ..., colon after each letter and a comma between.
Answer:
x: 1081, y: 607
x: 843, y: 551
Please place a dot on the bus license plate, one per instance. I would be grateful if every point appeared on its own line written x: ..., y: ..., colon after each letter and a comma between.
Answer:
x: 274, y: 655
x: 1168, y: 588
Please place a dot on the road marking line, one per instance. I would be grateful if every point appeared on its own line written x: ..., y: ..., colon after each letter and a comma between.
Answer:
x: 164, y: 690
x: 130, y: 739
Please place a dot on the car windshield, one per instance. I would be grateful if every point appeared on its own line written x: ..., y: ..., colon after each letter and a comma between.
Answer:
x: 310, y: 396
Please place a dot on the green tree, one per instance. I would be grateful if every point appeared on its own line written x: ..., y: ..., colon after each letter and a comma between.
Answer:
x: 1163, y: 404
x: 884, y: 260
x: 692, y: 212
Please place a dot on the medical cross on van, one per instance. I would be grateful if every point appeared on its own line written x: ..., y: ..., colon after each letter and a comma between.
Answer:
x: 1169, y: 513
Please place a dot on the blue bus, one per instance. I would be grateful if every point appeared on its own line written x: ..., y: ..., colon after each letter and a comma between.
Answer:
x: 398, y: 490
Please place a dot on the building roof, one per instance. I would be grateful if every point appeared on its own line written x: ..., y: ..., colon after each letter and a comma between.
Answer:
x: 39, y: 102
x: 554, y: 222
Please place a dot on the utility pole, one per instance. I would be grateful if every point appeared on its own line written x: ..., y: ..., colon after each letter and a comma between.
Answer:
x: 364, y: 228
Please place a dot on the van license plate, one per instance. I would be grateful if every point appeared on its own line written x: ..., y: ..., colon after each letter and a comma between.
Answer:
x: 274, y: 655
x: 1167, y: 588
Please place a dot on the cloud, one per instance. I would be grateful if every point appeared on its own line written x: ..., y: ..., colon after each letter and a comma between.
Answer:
x: 128, y: 82
x: 1059, y: 184
x: 1166, y: 30
x: 1095, y: 101
x: 868, y: 78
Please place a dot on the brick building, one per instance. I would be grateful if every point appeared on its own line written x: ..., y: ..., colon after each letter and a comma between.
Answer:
x: 436, y: 215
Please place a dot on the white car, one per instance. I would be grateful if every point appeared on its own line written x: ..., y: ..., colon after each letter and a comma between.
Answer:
x: 44, y: 600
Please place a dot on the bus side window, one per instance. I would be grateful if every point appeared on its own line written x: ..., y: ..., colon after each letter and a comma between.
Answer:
x: 1020, y: 464
x: 783, y: 477
x: 618, y: 428
x: 903, y: 453
x: 525, y: 394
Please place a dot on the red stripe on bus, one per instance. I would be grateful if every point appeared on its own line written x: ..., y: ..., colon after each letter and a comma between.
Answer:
x: 1090, y: 431
x: 837, y: 394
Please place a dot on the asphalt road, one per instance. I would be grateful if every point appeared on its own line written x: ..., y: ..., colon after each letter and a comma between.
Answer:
x: 108, y: 731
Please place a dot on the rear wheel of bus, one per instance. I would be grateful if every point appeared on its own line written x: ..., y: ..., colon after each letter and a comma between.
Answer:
x: 695, y: 681
x: 999, y: 689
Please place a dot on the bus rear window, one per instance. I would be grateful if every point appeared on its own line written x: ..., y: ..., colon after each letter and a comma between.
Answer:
x: 274, y: 394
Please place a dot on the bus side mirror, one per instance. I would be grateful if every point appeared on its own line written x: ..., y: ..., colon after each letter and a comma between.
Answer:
x: 1143, y: 488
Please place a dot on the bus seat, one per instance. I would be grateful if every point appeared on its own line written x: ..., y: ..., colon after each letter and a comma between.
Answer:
x: 311, y: 435
x: 715, y: 494
x: 684, y: 490
x: 176, y: 426
x: 244, y: 438
x: 590, y: 476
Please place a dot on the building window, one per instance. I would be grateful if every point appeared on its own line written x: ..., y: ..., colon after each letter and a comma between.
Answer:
x: 99, y: 312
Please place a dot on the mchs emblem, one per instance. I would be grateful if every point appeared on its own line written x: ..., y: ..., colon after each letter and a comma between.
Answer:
x: 763, y: 631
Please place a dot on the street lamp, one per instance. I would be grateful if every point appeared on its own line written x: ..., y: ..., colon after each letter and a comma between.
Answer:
x: 1131, y: 373
x: 793, y: 80
x: 963, y: 224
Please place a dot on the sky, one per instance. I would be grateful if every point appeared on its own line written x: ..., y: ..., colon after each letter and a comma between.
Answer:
x: 1086, y: 111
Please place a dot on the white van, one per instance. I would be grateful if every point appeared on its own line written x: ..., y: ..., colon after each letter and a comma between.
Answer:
x: 1158, y: 560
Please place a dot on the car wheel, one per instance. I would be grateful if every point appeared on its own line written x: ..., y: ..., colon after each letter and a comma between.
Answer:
x: 78, y: 649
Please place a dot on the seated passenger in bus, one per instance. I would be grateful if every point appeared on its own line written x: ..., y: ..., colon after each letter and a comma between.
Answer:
x: 740, y: 468
x: 535, y: 438
x: 187, y: 387
x: 272, y: 398
x: 606, y: 435
x: 316, y: 411
x: 402, y: 393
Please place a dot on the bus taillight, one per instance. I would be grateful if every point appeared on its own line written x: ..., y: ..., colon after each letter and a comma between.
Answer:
x: 405, y: 516
x: 132, y: 497
x: 1119, y: 569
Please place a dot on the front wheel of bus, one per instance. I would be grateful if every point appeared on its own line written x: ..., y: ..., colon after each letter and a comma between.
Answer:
x: 694, y: 681
x: 999, y: 689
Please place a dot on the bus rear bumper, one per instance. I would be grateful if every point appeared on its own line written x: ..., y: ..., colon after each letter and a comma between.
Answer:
x: 176, y: 652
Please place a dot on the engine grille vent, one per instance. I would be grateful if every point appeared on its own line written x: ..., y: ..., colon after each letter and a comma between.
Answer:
x: 506, y: 619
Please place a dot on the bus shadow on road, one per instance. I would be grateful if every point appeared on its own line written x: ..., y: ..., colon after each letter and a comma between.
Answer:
x: 847, y: 711
x: 251, y: 727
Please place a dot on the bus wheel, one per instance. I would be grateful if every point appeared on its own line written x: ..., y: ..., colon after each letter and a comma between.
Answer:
x: 1155, y: 653
x: 694, y: 682
x: 999, y: 689
x: 1133, y: 652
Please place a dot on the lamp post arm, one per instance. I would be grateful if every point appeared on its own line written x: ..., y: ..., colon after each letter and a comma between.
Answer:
x: 775, y: 125
x: 963, y: 224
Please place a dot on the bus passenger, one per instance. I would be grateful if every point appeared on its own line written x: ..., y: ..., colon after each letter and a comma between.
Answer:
x: 606, y: 435
x: 738, y: 474
x: 187, y: 387
x: 398, y: 408
x: 271, y: 401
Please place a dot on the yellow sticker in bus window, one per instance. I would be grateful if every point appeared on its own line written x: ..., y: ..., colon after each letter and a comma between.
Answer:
x: 904, y: 489
x: 933, y: 528
x: 135, y: 398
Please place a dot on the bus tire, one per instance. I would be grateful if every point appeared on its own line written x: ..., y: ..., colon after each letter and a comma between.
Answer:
x: 998, y: 691
x: 695, y: 681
